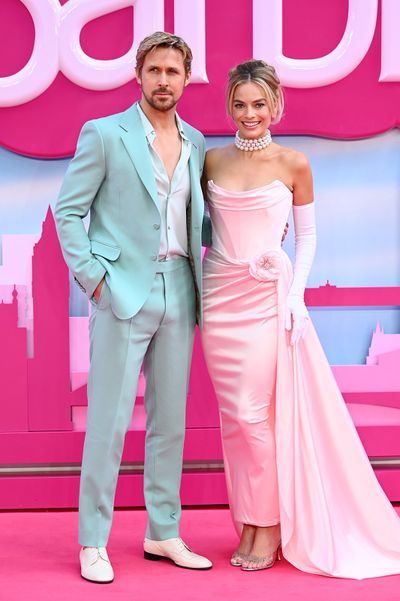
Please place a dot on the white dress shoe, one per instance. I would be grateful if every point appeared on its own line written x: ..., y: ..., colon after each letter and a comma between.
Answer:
x: 95, y: 565
x: 175, y: 550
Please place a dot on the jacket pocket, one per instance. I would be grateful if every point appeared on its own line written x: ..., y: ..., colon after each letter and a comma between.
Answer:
x: 105, y: 250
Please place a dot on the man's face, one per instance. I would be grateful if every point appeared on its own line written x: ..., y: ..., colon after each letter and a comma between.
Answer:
x: 163, y: 78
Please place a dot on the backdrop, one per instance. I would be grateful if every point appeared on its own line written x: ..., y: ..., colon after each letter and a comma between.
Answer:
x: 65, y: 62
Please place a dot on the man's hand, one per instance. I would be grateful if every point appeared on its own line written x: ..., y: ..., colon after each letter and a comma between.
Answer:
x: 285, y: 231
x: 97, y: 292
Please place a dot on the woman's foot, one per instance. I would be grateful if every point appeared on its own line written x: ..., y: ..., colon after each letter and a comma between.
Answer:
x: 265, y: 550
x: 245, y: 545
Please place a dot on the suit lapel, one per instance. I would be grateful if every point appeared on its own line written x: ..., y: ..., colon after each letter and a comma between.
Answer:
x: 135, y: 142
x: 197, y: 201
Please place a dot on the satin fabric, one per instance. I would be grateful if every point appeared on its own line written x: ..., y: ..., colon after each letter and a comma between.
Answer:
x: 290, y: 446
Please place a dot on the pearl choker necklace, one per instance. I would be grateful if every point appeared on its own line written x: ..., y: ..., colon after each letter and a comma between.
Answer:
x: 248, y: 144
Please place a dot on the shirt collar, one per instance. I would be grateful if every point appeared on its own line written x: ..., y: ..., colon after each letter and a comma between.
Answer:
x: 180, y: 127
x: 149, y: 129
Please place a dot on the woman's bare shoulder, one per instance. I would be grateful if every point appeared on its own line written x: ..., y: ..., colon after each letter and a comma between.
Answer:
x: 294, y: 161
x: 298, y: 168
x: 294, y: 158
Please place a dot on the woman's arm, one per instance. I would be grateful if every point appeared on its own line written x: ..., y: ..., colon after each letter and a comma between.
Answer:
x: 303, y: 189
x: 297, y: 317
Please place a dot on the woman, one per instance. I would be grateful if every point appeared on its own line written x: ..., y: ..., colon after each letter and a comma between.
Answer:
x: 297, y: 474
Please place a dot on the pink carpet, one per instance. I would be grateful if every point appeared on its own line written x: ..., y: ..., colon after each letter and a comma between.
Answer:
x: 38, y: 561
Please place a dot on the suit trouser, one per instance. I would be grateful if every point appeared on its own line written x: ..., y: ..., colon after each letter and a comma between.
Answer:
x: 160, y: 336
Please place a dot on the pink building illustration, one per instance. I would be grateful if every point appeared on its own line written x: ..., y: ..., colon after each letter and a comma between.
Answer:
x: 48, y: 372
x: 368, y: 296
x: 377, y: 382
x: 13, y: 370
x: 381, y: 344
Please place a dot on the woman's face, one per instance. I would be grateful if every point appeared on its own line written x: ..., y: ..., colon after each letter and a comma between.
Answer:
x: 250, y: 110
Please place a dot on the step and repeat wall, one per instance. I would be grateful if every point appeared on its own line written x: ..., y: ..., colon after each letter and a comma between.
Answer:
x: 64, y: 62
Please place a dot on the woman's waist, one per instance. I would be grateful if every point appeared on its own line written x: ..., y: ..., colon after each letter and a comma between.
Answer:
x: 241, y: 257
x: 263, y: 265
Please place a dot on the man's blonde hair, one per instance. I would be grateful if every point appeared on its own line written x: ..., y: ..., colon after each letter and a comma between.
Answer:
x: 163, y: 39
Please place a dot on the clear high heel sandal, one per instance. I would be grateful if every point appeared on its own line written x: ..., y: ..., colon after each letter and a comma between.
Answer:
x: 262, y: 563
x: 238, y: 558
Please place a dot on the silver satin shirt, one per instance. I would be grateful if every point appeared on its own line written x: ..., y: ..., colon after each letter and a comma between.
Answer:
x: 173, y: 195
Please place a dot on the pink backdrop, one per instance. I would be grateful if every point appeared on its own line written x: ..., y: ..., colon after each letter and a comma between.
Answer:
x: 43, y: 404
x: 357, y: 105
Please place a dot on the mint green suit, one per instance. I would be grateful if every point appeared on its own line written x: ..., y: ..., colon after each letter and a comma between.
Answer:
x: 146, y: 314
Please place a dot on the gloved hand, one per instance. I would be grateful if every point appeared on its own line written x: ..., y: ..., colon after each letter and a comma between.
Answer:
x: 297, y: 318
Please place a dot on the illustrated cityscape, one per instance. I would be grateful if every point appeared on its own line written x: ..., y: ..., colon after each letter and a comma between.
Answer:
x: 39, y: 392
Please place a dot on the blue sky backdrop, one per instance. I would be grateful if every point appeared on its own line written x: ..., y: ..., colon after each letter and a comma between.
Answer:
x: 357, y: 193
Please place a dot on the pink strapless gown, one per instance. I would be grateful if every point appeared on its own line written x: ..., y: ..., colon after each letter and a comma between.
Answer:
x: 292, y: 454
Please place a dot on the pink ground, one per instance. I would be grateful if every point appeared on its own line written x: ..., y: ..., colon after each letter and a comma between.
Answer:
x: 38, y: 561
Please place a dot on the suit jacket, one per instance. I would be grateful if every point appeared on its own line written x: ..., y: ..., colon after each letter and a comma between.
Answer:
x: 111, y: 176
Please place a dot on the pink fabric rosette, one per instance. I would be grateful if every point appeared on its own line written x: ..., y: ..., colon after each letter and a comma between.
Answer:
x: 266, y: 267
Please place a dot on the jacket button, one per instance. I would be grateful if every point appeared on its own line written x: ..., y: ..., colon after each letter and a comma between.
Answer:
x: 156, y: 226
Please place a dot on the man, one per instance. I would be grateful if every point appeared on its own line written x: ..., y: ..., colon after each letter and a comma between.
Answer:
x: 138, y: 173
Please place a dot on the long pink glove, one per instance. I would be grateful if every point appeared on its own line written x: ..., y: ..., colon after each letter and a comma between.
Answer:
x: 297, y: 318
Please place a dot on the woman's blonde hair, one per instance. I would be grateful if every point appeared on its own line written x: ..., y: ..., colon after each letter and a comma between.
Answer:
x: 262, y: 74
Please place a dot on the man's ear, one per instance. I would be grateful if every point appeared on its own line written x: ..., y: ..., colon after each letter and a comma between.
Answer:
x: 138, y: 78
x: 188, y: 76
